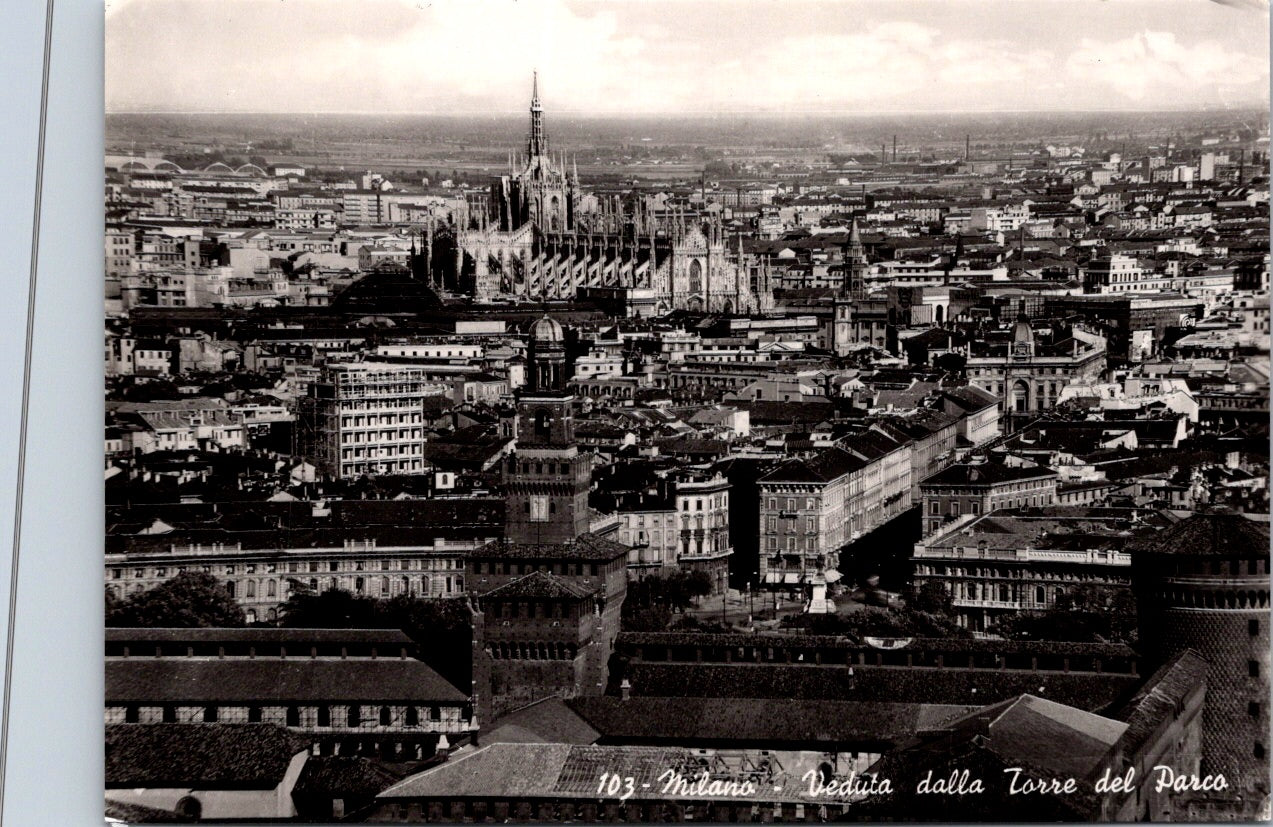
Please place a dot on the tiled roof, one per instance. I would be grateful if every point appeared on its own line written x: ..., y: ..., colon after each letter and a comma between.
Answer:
x: 1052, y: 736
x: 550, y: 720
x: 538, y: 584
x: 825, y: 467
x: 1160, y: 698
x: 388, y: 637
x: 205, y: 756
x: 587, y: 546
x: 229, y: 682
x: 342, y: 776
x: 987, y: 473
x: 758, y: 721
x: 1226, y: 534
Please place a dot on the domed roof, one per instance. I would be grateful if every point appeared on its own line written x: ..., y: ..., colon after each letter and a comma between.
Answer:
x: 547, y: 330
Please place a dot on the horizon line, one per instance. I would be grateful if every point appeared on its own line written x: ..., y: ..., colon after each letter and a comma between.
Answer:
x: 1262, y: 107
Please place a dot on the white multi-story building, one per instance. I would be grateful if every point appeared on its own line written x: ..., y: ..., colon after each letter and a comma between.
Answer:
x: 366, y: 418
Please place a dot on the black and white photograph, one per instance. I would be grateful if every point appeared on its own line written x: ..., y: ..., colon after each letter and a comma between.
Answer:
x: 565, y: 411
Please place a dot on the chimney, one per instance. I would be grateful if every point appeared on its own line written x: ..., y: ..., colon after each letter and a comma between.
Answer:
x: 625, y: 689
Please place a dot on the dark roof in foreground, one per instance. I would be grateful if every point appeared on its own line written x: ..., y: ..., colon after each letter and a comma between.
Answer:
x: 759, y: 721
x: 1161, y: 697
x: 566, y: 771
x: 1222, y: 533
x: 257, y: 635
x: 205, y: 756
x: 586, y: 547
x: 549, y: 721
x: 214, y: 680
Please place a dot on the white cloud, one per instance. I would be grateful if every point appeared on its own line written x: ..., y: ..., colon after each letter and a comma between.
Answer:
x: 1153, y: 67
x: 477, y: 55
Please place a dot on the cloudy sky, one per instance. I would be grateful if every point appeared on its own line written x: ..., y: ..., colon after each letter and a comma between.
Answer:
x: 650, y: 56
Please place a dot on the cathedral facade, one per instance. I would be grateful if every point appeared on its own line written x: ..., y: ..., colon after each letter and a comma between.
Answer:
x: 531, y: 241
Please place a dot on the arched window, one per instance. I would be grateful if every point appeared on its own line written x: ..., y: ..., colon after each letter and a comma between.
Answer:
x: 696, y: 277
x: 543, y: 422
x: 229, y: 587
x: 249, y: 589
x: 413, y: 716
x: 271, y: 588
x: 1040, y: 595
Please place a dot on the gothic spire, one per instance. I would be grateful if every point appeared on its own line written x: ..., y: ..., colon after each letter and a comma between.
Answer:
x: 537, y: 143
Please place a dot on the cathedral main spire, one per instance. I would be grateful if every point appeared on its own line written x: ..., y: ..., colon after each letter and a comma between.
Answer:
x: 537, y: 143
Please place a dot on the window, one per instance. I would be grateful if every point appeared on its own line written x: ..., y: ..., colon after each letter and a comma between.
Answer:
x: 132, y: 714
x: 936, y: 508
x: 170, y: 715
x: 386, y: 716
x: 354, y: 718
x: 324, y: 716
x: 413, y: 716
x: 1253, y: 709
x: 1259, y: 750
x: 435, y: 713
x: 1253, y: 668
x: 293, y: 716
x: 1253, y: 627
x: 254, y: 715
x: 210, y: 714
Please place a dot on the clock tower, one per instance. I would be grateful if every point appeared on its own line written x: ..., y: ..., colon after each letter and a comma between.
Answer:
x: 546, y: 480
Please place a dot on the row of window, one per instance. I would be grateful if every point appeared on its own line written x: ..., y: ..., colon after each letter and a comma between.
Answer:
x: 566, y: 569
x: 359, y: 437
x: 353, y: 718
x: 296, y: 566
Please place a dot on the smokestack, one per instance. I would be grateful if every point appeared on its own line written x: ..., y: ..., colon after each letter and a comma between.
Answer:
x: 967, y: 147
x: 1241, y: 164
x: 895, y: 149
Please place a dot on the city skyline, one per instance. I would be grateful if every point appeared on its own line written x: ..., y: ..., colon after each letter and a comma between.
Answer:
x: 685, y: 58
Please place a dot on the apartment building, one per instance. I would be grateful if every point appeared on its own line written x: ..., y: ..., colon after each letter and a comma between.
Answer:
x: 366, y: 418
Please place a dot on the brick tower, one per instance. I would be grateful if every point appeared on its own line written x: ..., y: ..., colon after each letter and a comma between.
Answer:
x: 1203, y: 584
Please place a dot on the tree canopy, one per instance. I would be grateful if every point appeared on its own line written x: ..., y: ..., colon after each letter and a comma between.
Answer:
x: 191, y: 599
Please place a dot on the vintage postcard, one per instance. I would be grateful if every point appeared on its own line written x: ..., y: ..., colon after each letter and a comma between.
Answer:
x: 571, y: 411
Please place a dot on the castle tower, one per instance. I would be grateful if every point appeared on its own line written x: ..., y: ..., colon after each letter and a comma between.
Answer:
x: 547, y: 480
x: 1203, y: 584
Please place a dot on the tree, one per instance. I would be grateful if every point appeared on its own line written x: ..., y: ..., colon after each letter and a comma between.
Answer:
x: 951, y: 362
x: 331, y: 609
x: 932, y: 598
x: 1085, y: 614
x: 191, y: 599
x: 698, y: 583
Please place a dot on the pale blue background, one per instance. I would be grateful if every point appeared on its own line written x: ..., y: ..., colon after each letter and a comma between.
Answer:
x: 55, y: 750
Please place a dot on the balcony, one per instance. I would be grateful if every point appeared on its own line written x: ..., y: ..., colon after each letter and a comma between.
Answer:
x: 970, y: 603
